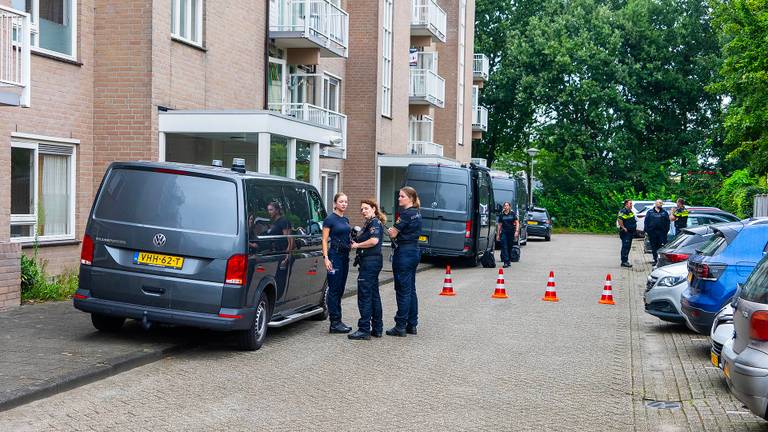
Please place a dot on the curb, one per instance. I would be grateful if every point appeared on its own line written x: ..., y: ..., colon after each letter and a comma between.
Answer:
x: 86, y: 376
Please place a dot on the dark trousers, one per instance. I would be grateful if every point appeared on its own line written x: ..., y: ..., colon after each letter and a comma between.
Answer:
x: 404, y: 263
x: 336, y: 283
x: 507, y: 240
x: 368, y: 298
x: 657, y: 240
x: 626, y: 244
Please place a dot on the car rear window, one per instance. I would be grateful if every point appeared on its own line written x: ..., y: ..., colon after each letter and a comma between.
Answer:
x: 756, y: 287
x: 168, y: 200
x: 714, y: 245
x: 678, y: 241
x: 538, y: 215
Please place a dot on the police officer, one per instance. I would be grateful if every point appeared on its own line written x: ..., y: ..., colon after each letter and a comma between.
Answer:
x: 679, y: 215
x: 656, y: 228
x: 405, y: 258
x: 368, y: 246
x: 336, y: 246
x: 627, y: 226
x: 507, y: 229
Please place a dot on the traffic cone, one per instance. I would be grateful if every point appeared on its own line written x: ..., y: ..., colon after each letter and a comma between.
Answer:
x: 447, y: 283
x: 607, y: 297
x: 550, y: 294
x: 500, y: 292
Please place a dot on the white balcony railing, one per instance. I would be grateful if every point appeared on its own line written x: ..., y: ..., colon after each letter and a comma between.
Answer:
x: 427, y: 86
x: 320, y: 21
x: 14, y: 57
x: 479, y: 118
x: 481, y: 67
x: 425, y: 148
x: 427, y: 16
x: 319, y: 116
x: 420, y: 137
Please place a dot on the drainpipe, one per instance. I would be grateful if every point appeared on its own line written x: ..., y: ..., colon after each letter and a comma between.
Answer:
x: 266, y: 59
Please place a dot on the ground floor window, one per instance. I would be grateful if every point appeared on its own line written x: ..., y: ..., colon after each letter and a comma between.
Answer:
x: 202, y: 149
x: 329, y: 186
x: 303, y: 156
x: 42, y: 191
x: 278, y: 156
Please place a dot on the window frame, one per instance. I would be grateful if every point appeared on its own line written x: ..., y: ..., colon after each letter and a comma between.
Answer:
x: 35, y: 30
x: 32, y: 219
x: 324, y: 174
x: 176, y: 21
x: 386, y: 62
x: 330, y: 80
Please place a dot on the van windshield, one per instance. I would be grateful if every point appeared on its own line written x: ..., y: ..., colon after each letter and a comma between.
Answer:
x: 168, y: 200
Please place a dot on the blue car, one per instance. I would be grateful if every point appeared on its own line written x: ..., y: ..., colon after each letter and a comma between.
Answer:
x: 724, y: 261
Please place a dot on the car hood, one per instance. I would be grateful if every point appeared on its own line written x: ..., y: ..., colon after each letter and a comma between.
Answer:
x: 676, y: 269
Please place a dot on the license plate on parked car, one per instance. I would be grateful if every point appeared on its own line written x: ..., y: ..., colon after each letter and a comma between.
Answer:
x: 158, y: 260
x: 690, y: 277
x: 532, y: 222
x: 715, y: 360
x: 423, y: 239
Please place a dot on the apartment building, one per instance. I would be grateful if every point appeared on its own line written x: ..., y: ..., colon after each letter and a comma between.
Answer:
x: 339, y: 93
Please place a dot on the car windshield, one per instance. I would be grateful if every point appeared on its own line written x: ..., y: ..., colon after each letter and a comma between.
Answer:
x: 756, y: 287
x: 714, y: 245
x: 537, y: 215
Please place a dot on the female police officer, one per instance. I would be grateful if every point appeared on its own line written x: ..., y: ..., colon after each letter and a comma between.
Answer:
x: 368, y: 245
x: 406, y: 257
x: 507, y: 230
x: 336, y: 246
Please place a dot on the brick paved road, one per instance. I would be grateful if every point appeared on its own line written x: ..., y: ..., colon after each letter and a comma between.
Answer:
x: 477, y: 364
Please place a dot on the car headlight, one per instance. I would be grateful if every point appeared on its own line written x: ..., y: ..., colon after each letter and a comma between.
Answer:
x: 670, y: 281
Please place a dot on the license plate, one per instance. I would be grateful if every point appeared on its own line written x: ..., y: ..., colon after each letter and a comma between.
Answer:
x: 532, y: 222
x: 158, y: 260
x: 423, y: 239
x: 714, y: 359
x: 690, y: 277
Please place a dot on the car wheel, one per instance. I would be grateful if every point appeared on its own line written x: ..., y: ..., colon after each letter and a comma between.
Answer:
x: 548, y: 237
x: 253, y: 338
x: 107, y: 323
x: 323, y: 304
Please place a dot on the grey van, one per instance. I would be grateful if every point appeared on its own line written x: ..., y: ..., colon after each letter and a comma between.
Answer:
x: 199, y: 246
x: 457, y: 210
x: 507, y: 188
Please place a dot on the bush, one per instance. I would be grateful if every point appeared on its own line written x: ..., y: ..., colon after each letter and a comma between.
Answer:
x: 36, y: 285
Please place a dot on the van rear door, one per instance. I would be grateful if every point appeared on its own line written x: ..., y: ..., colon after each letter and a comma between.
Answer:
x: 163, y: 237
x: 452, y: 209
x: 423, y: 178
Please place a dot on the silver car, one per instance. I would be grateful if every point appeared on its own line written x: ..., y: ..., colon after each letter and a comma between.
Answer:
x: 722, y: 331
x: 662, y: 292
x: 745, y: 356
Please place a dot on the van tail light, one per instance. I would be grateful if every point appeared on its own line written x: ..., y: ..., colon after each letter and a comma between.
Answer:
x: 468, y: 232
x: 758, y: 326
x: 676, y: 257
x: 236, y: 269
x: 86, y: 253
x: 79, y: 296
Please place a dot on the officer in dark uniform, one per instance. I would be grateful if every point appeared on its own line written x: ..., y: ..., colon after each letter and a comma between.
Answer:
x: 627, y: 227
x: 337, y: 242
x: 679, y: 215
x: 507, y: 229
x: 656, y: 228
x: 368, y: 258
x: 405, y: 259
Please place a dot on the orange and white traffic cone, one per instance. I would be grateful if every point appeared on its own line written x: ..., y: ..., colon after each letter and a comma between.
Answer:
x: 447, y: 283
x: 550, y: 294
x: 500, y: 292
x: 607, y: 297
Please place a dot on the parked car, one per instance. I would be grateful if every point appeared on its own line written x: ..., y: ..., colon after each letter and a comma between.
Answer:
x: 511, y: 189
x: 195, y: 246
x: 640, y: 216
x: 684, y: 245
x: 745, y: 355
x: 697, y: 216
x: 662, y: 292
x: 722, y: 331
x: 457, y: 210
x: 724, y: 261
x: 538, y: 223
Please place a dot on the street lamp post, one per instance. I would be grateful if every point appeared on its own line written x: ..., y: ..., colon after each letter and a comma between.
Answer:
x: 532, y: 152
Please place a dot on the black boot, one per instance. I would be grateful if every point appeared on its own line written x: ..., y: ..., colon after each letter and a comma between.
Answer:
x: 359, y: 335
x: 339, y: 327
x: 394, y: 331
x: 411, y: 330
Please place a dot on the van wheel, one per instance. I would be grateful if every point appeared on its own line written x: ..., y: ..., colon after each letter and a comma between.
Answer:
x: 253, y: 338
x: 107, y: 323
x: 323, y: 304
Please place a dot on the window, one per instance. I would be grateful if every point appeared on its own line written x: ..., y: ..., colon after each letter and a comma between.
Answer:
x: 187, y: 20
x: 42, y: 191
x: 331, y: 93
x: 386, y: 64
x: 54, y: 25
x: 297, y: 210
x: 316, y: 212
x: 756, y: 287
x: 303, y: 156
x: 266, y: 209
x: 277, y: 84
x: 278, y: 156
x: 329, y: 187
x: 462, y: 71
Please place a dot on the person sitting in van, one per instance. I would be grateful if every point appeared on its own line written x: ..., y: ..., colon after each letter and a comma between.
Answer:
x: 507, y: 231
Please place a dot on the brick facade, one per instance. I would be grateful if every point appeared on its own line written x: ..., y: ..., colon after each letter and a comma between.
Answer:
x: 10, y: 275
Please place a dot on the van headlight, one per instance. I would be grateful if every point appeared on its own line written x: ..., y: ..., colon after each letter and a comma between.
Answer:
x: 670, y: 281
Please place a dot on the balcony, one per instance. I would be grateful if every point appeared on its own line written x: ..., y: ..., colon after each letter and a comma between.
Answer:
x: 479, y: 119
x: 480, y: 68
x: 428, y: 19
x: 420, y: 137
x: 14, y: 57
x: 426, y: 87
x: 310, y: 24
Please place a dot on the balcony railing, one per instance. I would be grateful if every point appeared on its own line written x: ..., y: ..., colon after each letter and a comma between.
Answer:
x: 420, y: 137
x: 425, y: 148
x: 320, y: 22
x: 479, y: 119
x: 428, y: 19
x: 319, y: 116
x: 480, y: 67
x: 14, y: 57
x: 426, y: 87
